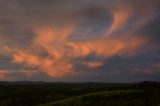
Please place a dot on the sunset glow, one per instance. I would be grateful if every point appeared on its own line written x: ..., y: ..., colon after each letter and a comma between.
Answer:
x: 60, y: 40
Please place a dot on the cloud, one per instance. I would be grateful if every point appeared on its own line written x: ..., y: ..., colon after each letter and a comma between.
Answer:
x: 93, y: 64
x: 60, y: 51
x: 4, y: 74
x: 54, y: 37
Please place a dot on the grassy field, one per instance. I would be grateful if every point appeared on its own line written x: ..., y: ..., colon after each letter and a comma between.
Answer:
x: 79, y: 94
x: 109, y: 98
x: 94, y: 99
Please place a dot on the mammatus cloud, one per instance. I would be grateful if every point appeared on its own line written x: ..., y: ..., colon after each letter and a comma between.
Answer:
x: 51, y: 42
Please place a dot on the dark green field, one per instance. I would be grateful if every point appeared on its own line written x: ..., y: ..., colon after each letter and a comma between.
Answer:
x: 79, y: 94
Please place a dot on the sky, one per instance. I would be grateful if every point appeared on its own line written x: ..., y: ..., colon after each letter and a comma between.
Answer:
x: 80, y: 40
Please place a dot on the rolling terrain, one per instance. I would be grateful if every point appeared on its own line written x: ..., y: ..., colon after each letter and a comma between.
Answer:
x: 79, y: 94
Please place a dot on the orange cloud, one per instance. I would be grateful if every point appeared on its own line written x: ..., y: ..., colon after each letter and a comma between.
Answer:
x: 8, y: 74
x: 60, y: 51
x: 94, y: 64
x: 24, y: 57
x: 120, y: 16
x: 45, y: 64
x: 52, y: 51
x: 5, y: 74
x: 107, y: 46
x: 28, y: 73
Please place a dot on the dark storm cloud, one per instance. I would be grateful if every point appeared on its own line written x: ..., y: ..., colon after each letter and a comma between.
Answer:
x: 95, y: 40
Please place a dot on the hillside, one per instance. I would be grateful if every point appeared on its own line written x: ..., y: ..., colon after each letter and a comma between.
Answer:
x: 79, y: 94
x: 110, y: 98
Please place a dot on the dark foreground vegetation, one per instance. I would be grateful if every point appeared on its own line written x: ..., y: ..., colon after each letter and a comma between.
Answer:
x: 79, y: 94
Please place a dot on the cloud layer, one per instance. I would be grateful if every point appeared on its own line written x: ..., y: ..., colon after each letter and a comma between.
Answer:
x: 79, y: 40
